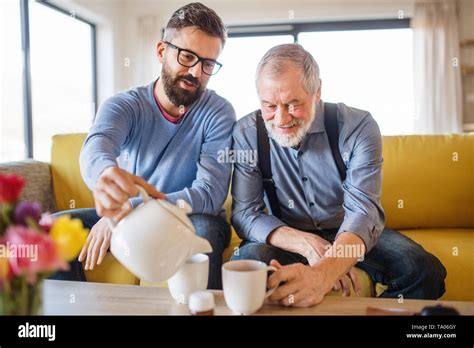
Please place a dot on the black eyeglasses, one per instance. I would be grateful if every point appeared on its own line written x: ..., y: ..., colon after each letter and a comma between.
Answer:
x: 189, y: 59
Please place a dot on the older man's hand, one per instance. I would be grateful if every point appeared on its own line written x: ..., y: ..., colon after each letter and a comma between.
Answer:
x: 298, y: 285
x: 313, y: 248
x: 305, y: 286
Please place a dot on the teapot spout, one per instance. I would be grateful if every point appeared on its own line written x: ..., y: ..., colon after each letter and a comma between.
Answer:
x: 201, y: 245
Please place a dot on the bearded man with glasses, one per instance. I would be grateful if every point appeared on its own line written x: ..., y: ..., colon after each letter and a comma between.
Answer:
x: 165, y: 137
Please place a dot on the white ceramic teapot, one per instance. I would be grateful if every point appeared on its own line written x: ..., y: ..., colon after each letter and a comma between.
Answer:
x: 156, y: 238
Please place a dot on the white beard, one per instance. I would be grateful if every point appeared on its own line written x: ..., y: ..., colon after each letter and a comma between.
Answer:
x: 291, y: 140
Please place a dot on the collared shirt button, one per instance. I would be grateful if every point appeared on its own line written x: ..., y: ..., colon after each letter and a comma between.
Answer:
x: 305, y: 178
x: 311, y: 204
x: 300, y: 153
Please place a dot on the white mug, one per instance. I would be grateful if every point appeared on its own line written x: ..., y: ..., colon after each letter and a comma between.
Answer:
x: 191, y: 276
x: 245, y: 283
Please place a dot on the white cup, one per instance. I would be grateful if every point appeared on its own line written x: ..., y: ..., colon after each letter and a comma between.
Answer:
x: 245, y: 284
x: 191, y: 277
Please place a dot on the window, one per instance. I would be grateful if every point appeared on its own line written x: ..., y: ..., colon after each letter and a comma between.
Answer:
x: 47, y: 77
x: 370, y: 70
x: 236, y: 80
x: 364, y: 64
x: 61, y: 76
x: 12, y: 142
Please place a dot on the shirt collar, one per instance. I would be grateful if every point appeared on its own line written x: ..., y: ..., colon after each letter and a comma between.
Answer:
x: 318, y: 122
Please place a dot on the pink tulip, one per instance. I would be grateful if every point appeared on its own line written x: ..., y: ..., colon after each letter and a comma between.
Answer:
x: 31, y: 252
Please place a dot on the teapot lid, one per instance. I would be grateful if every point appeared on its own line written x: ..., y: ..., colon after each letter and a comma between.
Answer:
x: 180, y: 211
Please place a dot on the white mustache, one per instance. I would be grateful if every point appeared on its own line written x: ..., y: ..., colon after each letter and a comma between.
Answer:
x: 293, y: 122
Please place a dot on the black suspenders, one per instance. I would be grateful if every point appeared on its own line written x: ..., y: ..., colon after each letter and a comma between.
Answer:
x: 265, y: 166
x: 332, y: 130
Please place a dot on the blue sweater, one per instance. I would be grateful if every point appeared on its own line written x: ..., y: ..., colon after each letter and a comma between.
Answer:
x: 180, y: 160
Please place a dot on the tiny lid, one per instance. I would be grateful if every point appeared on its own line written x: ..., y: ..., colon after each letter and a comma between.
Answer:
x: 201, y: 301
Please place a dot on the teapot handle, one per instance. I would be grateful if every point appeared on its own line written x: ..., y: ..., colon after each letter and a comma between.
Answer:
x: 146, y: 198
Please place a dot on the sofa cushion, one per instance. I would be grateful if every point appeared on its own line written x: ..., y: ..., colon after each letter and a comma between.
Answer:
x: 111, y: 271
x: 38, y: 181
x: 69, y: 189
x: 455, y: 249
x: 428, y: 181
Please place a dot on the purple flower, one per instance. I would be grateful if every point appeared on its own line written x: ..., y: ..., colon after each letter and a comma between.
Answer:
x: 26, y: 210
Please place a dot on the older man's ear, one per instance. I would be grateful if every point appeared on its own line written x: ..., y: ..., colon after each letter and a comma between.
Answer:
x: 318, y: 92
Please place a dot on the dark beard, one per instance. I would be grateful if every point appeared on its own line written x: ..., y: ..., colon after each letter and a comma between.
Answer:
x: 175, y: 93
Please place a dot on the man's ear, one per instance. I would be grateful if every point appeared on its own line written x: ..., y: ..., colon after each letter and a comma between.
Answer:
x: 160, y: 50
x: 318, y: 92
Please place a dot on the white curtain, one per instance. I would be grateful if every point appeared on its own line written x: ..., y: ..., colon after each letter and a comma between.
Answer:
x: 438, y: 90
x: 149, y: 33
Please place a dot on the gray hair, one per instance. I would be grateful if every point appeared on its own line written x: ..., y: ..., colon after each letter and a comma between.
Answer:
x: 278, y: 58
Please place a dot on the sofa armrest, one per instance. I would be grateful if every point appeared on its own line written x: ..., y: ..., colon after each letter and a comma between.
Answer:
x: 38, y: 184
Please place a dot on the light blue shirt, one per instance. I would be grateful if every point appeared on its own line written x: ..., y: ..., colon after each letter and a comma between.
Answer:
x: 309, y: 188
x: 180, y: 160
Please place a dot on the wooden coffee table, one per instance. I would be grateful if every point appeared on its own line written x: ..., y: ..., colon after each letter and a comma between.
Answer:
x: 81, y: 298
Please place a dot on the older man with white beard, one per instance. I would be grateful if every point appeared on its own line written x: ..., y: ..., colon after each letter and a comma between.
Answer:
x: 319, y: 173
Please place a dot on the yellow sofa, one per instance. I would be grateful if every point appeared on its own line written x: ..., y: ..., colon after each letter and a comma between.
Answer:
x: 427, y: 194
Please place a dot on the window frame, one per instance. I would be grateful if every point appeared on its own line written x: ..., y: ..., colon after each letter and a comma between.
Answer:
x: 302, y: 27
x: 25, y: 45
